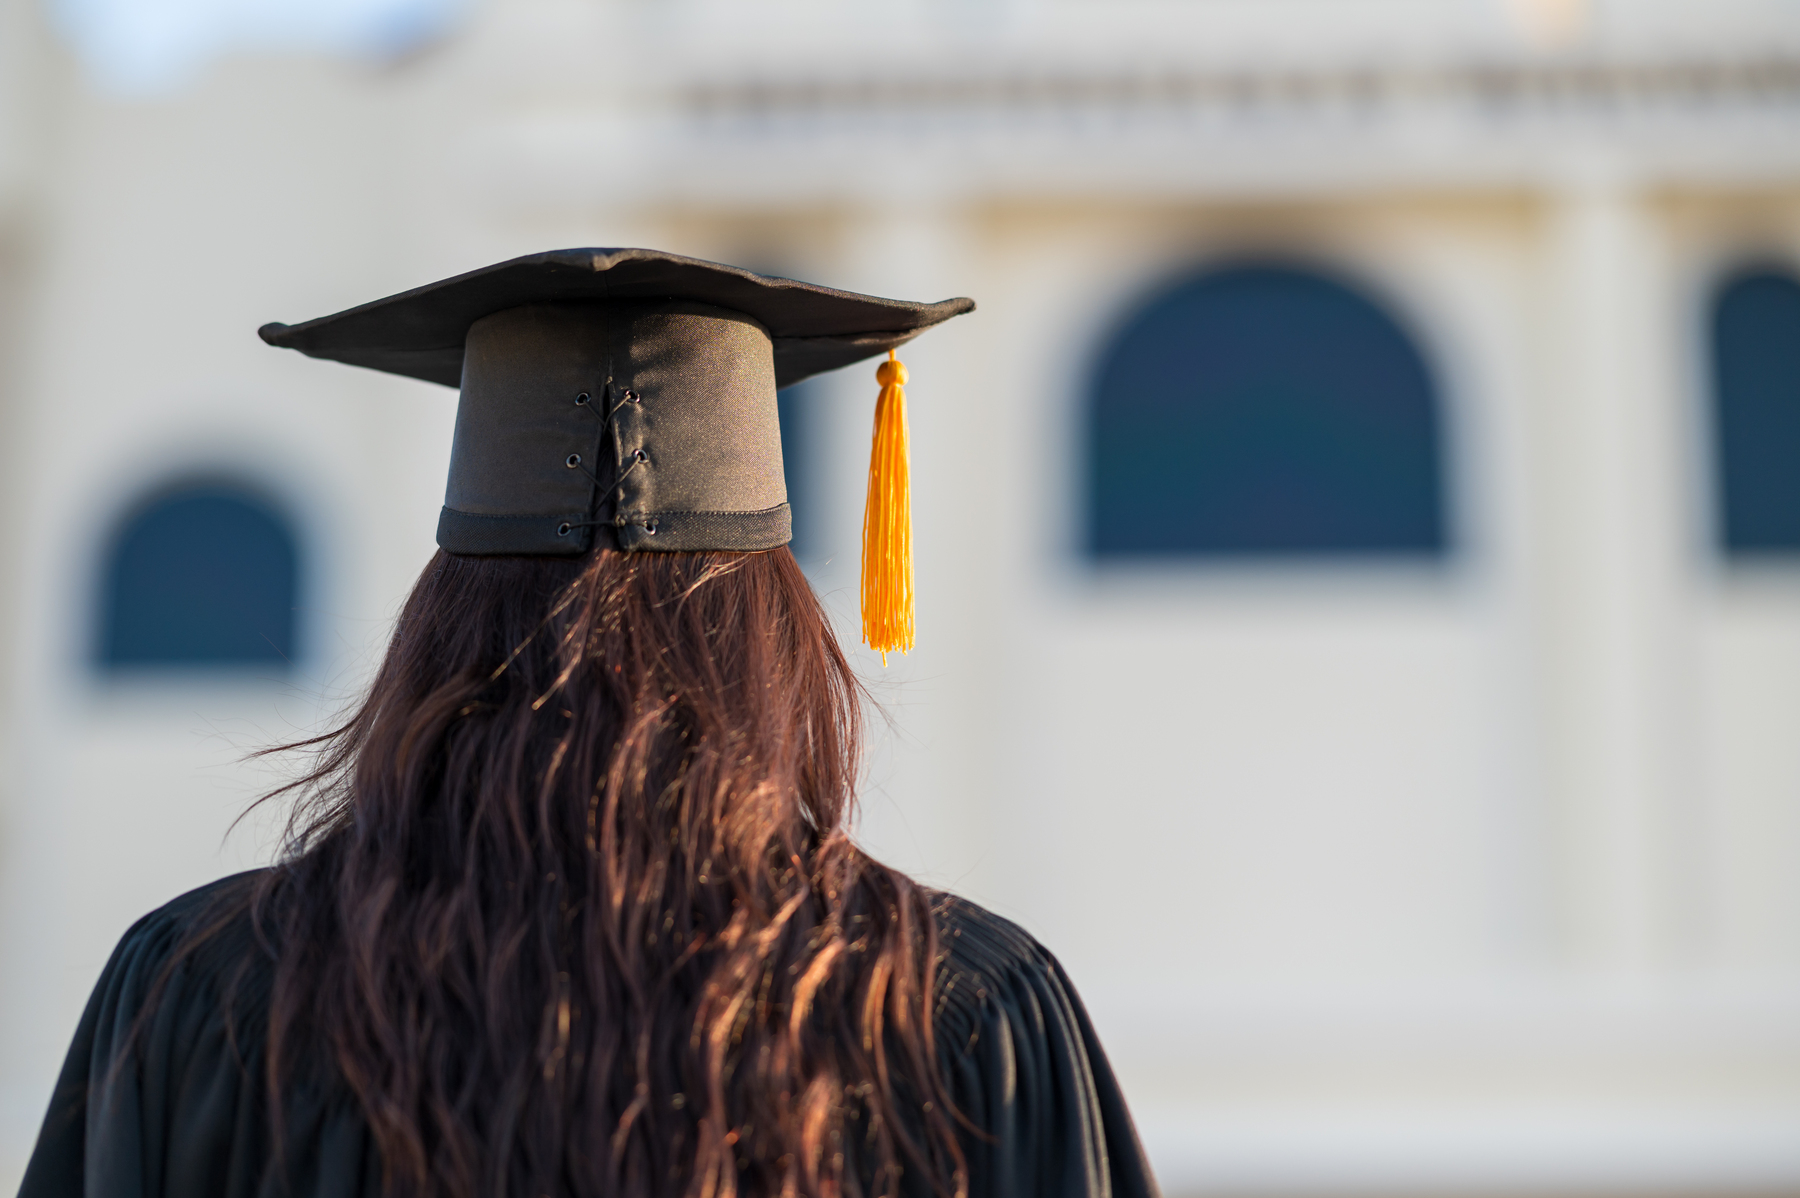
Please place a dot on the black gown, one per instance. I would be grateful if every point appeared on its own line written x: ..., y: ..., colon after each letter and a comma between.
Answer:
x: 188, y: 1118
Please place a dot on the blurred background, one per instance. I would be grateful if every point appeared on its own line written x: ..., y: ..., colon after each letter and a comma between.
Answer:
x: 1358, y: 535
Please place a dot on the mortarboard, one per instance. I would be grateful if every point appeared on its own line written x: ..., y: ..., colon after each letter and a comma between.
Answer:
x: 627, y: 397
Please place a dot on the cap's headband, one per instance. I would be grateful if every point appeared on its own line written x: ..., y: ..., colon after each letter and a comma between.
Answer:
x: 654, y: 423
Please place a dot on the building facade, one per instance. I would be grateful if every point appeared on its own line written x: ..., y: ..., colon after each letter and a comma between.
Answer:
x: 1358, y: 534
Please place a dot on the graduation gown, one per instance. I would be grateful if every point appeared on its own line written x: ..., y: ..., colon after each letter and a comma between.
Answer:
x: 187, y: 1117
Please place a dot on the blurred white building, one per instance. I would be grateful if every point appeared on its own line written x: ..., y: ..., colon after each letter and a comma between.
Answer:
x: 1436, y: 831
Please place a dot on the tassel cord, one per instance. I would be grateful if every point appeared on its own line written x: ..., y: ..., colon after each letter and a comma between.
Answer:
x: 887, y: 575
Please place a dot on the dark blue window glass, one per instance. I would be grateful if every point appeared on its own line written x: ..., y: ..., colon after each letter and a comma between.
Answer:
x: 200, y: 575
x: 1756, y: 379
x: 1263, y: 410
x: 799, y: 464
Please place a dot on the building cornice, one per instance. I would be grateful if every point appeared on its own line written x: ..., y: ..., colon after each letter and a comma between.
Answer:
x: 1015, y: 128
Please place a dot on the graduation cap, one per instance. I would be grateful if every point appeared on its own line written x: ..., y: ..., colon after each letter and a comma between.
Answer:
x: 627, y: 397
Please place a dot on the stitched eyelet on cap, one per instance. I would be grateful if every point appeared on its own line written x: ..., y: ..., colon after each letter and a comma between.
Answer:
x: 572, y: 461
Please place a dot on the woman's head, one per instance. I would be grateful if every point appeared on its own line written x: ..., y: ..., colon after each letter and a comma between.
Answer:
x: 573, y: 908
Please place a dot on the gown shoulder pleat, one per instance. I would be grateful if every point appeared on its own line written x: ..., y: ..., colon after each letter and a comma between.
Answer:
x: 170, y: 1104
x: 1023, y: 1067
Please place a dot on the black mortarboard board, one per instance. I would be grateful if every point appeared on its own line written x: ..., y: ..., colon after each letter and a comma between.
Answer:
x: 633, y: 392
x: 419, y: 333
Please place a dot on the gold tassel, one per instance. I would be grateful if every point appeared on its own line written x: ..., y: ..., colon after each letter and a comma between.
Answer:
x: 887, y: 574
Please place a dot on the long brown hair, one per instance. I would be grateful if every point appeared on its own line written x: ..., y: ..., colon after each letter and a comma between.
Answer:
x: 572, y: 907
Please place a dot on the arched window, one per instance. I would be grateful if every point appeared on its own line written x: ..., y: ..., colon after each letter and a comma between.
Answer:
x: 1263, y: 410
x: 203, y: 574
x: 799, y: 460
x: 1756, y: 393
